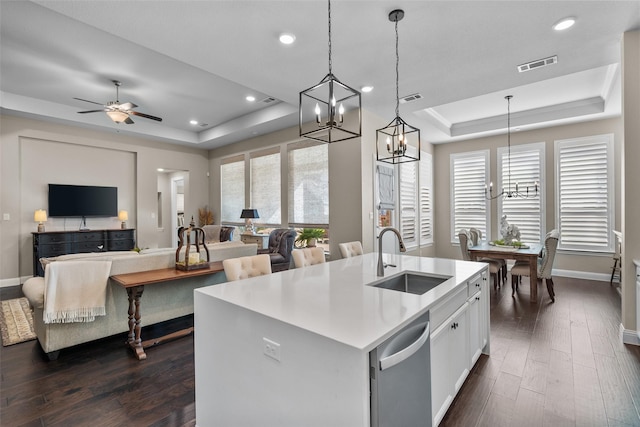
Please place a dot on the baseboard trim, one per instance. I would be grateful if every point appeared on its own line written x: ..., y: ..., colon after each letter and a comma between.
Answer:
x: 586, y: 275
x: 629, y: 336
x: 14, y: 281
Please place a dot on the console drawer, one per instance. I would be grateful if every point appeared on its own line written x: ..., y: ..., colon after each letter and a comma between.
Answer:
x: 91, y: 236
x: 120, y: 245
x: 53, y: 250
x: 120, y: 234
x: 45, y: 239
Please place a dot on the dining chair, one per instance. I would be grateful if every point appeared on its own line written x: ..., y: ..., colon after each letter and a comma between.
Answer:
x: 545, y: 265
x: 349, y: 249
x: 308, y: 256
x: 476, y: 236
x: 281, y: 242
x: 246, y: 266
x: 495, y: 267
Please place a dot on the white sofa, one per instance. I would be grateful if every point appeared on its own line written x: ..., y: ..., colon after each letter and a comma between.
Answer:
x: 159, y: 302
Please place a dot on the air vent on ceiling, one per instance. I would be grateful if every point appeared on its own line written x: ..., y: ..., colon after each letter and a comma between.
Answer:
x: 410, y: 98
x: 204, y: 124
x: 268, y: 100
x: 538, y: 64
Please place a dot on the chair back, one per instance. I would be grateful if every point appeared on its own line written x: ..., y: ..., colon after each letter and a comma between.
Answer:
x: 548, y: 254
x: 350, y: 249
x: 281, y: 242
x: 247, y: 266
x: 465, y: 239
x: 476, y: 236
x: 308, y: 256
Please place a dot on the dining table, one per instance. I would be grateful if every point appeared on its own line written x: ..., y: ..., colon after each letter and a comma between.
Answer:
x: 528, y: 253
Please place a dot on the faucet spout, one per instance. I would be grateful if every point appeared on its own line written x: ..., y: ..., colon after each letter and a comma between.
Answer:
x: 381, y: 264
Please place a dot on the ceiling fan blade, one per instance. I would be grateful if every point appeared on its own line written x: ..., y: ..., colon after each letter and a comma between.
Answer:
x: 128, y: 121
x: 146, y: 116
x: 128, y: 106
x: 86, y: 100
x: 91, y: 111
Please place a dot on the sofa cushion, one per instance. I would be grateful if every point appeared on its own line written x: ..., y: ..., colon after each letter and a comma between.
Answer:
x: 33, y: 289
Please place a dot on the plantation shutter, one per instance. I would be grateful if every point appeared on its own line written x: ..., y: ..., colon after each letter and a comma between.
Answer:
x: 232, y: 189
x: 584, y: 191
x: 526, y: 171
x: 408, y: 201
x: 469, y: 172
x: 425, y: 197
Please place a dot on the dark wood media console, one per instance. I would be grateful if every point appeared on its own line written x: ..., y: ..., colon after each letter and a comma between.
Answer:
x: 54, y: 243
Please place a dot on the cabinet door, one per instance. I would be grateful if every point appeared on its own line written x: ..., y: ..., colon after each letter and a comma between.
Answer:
x: 476, y: 321
x: 459, y: 347
x: 441, y: 381
x: 486, y: 315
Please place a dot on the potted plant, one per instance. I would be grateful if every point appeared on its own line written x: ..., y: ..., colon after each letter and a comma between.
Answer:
x: 308, y: 237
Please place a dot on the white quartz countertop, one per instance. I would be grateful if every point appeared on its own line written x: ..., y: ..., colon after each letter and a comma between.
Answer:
x: 334, y: 299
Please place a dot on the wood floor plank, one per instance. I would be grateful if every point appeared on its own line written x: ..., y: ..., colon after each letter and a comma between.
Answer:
x: 589, y: 404
x: 559, y: 395
x: 534, y: 377
x: 529, y: 408
x: 581, y: 350
x: 516, y: 356
x: 617, y: 399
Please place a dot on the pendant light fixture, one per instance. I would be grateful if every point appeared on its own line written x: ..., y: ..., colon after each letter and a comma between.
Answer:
x: 518, y: 192
x: 330, y: 111
x: 398, y: 142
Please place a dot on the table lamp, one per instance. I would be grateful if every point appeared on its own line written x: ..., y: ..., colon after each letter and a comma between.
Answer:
x: 248, y: 215
x: 40, y: 216
x: 123, y: 216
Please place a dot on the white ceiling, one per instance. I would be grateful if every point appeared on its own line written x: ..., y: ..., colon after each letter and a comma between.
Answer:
x: 184, y: 60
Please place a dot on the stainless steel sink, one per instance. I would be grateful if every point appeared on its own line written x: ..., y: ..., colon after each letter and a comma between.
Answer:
x: 412, y: 283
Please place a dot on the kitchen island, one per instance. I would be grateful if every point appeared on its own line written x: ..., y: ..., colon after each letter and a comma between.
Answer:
x: 292, y: 348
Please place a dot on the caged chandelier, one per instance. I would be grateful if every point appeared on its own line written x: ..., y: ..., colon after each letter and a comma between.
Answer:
x: 509, y: 193
x: 398, y: 142
x: 323, y: 108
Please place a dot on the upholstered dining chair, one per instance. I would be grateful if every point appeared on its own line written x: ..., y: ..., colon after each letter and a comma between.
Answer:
x: 476, y: 236
x: 246, y: 266
x: 280, y: 246
x: 349, y: 249
x: 545, y: 265
x: 495, y: 267
x: 308, y: 256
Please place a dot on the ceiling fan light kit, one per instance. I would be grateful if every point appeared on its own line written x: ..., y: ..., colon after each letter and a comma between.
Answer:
x: 119, y: 113
x: 330, y: 111
x: 398, y: 142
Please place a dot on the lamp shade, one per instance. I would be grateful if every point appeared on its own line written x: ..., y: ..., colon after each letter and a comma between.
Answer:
x: 40, y: 215
x: 123, y: 215
x: 117, y: 116
x: 249, y: 213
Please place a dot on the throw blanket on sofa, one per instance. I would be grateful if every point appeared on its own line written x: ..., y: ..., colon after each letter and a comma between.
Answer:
x: 75, y: 291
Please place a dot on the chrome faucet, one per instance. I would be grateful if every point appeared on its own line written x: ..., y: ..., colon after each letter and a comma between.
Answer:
x: 381, y: 264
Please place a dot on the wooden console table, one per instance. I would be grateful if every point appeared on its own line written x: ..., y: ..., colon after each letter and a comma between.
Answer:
x: 134, y: 284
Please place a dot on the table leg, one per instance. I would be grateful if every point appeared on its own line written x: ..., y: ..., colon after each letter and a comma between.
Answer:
x: 533, y: 278
x: 133, y: 340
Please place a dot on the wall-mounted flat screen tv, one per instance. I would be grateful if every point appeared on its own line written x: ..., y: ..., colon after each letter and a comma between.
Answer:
x: 82, y: 201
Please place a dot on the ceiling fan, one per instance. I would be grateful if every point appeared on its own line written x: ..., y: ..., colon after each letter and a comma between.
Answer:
x: 117, y: 112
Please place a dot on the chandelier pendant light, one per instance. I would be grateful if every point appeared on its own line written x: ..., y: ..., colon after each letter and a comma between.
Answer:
x: 398, y: 142
x: 518, y: 191
x: 330, y: 111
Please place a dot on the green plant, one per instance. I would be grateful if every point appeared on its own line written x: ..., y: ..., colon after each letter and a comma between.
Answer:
x: 307, y: 234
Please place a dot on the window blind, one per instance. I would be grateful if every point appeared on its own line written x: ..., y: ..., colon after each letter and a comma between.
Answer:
x: 469, y: 207
x: 425, y: 197
x: 232, y: 189
x: 408, y: 203
x: 584, y: 192
x: 308, y: 184
x: 526, y: 169
x: 265, y: 186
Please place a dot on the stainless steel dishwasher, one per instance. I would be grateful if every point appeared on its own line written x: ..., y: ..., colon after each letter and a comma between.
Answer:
x: 400, y: 378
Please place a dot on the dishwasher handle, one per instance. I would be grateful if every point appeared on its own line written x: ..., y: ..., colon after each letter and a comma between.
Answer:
x: 405, y: 353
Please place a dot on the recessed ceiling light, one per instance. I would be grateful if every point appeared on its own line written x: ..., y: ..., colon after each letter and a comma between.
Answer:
x: 250, y: 98
x: 287, y: 38
x: 366, y: 89
x: 193, y: 122
x: 160, y: 170
x: 564, y: 23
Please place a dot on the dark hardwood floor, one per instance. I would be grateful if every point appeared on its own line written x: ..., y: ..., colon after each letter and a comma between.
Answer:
x: 551, y: 364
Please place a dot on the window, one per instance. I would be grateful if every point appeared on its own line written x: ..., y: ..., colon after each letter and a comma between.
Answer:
x: 232, y: 189
x: 308, y: 184
x: 585, y: 193
x: 469, y: 207
x: 425, y: 198
x: 527, y: 166
x: 265, y: 186
x: 408, y: 203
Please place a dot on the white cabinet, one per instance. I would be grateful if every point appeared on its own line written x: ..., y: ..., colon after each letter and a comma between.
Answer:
x: 457, y: 341
x: 449, y: 361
